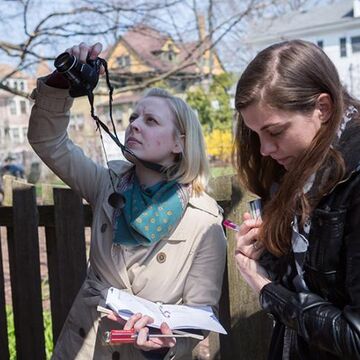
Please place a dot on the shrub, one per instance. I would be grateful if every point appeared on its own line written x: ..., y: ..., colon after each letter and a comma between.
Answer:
x: 219, y: 144
x: 11, y: 333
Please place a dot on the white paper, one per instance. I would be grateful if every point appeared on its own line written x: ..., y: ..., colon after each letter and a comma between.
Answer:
x: 176, y: 316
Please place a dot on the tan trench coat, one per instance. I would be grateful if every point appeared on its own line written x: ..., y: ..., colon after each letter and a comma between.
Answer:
x: 191, y: 263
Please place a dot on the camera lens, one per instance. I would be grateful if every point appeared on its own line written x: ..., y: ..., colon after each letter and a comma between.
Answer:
x: 64, y: 62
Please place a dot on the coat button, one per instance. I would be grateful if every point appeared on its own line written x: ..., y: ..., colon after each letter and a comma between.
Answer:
x: 115, y: 355
x: 82, y: 332
x: 161, y: 257
x: 103, y: 228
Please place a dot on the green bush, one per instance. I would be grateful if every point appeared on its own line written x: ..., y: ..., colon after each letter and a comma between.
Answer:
x: 48, y: 334
x: 11, y: 333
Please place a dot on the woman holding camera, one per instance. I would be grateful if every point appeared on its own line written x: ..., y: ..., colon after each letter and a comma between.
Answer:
x: 298, y: 148
x: 166, y: 245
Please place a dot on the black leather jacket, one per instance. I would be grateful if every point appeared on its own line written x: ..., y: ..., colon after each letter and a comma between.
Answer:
x: 323, y: 323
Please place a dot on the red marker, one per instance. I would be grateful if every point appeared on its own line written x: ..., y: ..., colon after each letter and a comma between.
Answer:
x: 230, y: 225
x: 113, y: 337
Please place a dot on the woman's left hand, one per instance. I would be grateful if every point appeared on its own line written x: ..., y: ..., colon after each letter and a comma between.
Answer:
x: 138, y: 322
x: 253, y: 273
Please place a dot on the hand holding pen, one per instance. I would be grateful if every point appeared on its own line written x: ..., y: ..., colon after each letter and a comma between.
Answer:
x: 247, y: 235
x: 248, y: 249
x: 138, y: 324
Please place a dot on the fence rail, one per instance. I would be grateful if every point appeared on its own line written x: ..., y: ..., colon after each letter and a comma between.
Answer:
x: 64, y: 224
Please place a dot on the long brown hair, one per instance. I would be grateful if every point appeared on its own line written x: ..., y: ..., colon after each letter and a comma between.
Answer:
x: 287, y: 76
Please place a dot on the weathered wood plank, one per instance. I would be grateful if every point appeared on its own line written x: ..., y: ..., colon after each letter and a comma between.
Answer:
x: 66, y: 254
x: 9, y: 184
x: 220, y: 188
x: 53, y: 276
x: 46, y: 215
x: 250, y: 327
x: 4, y: 344
x: 23, y: 244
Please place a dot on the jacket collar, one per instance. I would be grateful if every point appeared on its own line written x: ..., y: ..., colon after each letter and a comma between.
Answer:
x: 348, y: 139
x: 205, y: 203
x: 347, y: 143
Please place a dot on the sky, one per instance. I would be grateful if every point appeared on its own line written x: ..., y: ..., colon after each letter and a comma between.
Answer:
x: 12, y: 24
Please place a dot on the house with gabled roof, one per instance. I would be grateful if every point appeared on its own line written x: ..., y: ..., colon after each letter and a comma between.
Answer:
x: 143, y: 53
x: 335, y: 28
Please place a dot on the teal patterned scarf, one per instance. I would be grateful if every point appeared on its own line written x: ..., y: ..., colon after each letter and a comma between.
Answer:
x: 149, y: 214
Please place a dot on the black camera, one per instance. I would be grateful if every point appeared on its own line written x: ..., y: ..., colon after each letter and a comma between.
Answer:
x: 83, y: 78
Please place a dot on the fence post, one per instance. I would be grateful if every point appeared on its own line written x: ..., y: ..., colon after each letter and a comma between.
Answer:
x: 66, y: 254
x: 220, y: 190
x: 4, y: 343
x: 23, y: 245
x: 10, y: 183
x: 250, y: 326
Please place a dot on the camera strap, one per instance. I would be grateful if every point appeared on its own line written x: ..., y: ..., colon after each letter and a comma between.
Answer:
x: 114, y: 137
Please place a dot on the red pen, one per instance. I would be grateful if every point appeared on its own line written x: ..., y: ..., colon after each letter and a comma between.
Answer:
x: 230, y: 225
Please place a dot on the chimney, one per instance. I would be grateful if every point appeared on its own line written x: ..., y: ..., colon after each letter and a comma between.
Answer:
x: 202, y: 27
x: 356, y: 8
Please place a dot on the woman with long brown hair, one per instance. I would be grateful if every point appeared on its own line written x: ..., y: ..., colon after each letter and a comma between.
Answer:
x: 298, y: 148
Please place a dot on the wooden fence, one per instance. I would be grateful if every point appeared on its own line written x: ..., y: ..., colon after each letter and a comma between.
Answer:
x: 64, y: 224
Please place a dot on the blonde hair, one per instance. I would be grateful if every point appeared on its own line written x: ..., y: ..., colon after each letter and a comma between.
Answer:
x: 192, y: 166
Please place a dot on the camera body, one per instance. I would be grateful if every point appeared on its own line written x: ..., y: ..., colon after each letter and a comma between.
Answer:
x: 83, y: 78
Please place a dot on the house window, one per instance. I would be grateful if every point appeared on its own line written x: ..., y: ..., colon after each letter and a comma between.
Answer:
x: 23, y: 108
x: 15, y: 136
x: 77, y: 121
x: 123, y: 61
x: 343, y: 47
x: 12, y: 107
x: 25, y: 130
x: 122, y: 82
x: 22, y: 85
x: 118, y: 115
x: 171, y: 55
x: 355, y: 44
x: 320, y: 44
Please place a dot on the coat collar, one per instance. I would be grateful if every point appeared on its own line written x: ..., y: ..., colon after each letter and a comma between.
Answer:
x: 347, y: 143
x: 205, y: 203
x: 348, y: 139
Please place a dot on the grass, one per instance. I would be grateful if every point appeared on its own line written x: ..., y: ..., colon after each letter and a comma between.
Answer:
x: 216, y: 171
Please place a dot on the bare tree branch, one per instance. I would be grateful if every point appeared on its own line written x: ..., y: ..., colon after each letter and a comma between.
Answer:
x: 149, y: 82
x: 101, y: 19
